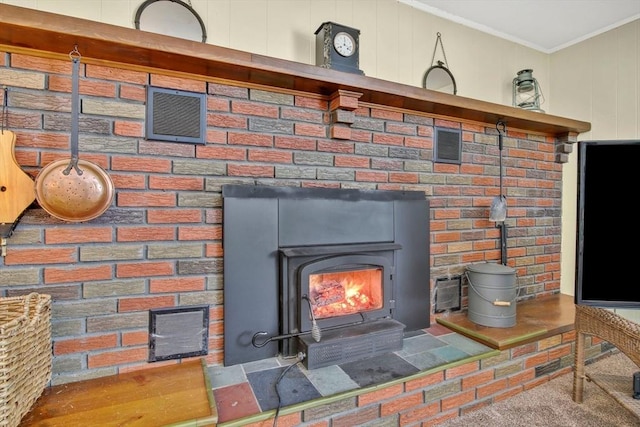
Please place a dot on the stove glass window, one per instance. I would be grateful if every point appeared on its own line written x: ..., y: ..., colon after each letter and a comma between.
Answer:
x: 345, y: 292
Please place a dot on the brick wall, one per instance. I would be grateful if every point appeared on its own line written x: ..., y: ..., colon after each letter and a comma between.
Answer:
x: 159, y: 245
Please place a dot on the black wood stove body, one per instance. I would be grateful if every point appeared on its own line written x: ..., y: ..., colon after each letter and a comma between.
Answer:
x: 338, y: 275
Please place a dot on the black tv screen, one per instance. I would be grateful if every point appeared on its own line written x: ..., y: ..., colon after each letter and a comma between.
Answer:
x: 607, y: 252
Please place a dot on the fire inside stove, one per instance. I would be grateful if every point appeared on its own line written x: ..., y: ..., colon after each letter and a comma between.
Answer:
x: 346, y: 292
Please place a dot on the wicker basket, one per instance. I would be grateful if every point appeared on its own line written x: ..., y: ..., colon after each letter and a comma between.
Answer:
x: 25, y: 354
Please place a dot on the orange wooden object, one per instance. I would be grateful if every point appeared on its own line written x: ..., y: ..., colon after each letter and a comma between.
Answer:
x: 17, y: 190
x: 179, y: 393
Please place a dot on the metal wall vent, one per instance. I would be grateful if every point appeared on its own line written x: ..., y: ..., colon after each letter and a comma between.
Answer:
x: 174, y: 115
x: 448, y: 294
x: 448, y: 146
x: 180, y: 332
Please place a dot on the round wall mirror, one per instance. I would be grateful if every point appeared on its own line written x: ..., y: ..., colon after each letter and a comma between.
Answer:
x: 172, y: 18
x: 440, y: 79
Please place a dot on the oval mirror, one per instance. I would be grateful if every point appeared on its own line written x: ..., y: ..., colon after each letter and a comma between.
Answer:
x: 172, y: 18
x: 440, y: 79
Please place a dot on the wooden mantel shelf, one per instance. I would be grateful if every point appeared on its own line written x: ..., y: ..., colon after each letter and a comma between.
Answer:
x: 51, y: 35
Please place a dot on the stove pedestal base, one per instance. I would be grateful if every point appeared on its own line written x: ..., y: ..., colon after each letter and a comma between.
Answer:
x: 352, y: 343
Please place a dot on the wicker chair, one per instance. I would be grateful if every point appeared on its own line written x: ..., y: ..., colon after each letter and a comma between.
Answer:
x: 609, y: 326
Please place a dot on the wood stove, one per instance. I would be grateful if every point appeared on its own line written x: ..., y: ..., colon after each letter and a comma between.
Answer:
x: 337, y: 274
x: 335, y: 291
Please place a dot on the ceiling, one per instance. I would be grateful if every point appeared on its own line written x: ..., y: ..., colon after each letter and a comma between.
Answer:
x: 544, y: 25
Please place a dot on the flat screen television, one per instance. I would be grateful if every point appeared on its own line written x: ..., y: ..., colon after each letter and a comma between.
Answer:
x: 608, y: 254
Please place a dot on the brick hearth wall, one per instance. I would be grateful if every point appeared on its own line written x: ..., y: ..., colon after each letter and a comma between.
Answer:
x: 159, y: 245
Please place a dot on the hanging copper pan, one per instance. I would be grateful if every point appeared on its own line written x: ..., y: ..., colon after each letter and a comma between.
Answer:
x: 74, y: 190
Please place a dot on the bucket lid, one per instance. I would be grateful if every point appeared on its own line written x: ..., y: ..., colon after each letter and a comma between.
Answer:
x: 490, y: 268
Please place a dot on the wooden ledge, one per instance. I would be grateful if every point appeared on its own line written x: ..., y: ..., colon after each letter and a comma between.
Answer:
x: 535, y: 319
x: 177, y: 394
x: 46, y: 34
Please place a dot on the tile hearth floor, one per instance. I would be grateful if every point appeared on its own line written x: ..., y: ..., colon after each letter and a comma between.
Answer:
x: 248, y: 389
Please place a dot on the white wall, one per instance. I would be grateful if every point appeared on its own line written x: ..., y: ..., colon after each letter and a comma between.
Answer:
x: 397, y: 41
x: 597, y: 80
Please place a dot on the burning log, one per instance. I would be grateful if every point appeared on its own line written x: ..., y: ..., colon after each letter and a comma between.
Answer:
x: 327, y: 293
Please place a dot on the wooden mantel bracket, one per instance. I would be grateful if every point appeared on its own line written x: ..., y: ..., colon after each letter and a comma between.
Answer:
x: 564, y: 146
x: 342, y: 105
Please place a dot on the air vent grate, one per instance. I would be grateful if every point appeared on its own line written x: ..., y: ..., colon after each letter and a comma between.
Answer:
x: 448, y: 146
x: 448, y: 294
x: 179, y: 332
x: 177, y: 116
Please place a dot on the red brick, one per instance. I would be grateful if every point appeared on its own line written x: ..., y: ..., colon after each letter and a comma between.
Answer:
x: 401, y: 403
x: 521, y: 377
x: 265, y: 156
x: 222, y: 153
x: 386, y: 139
x: 131, y: 182
x: 178, y: 83
x: 458, y: 400
x: 41, y: 256
x: 336, y: 147
x: 461, y: 370
x: 536, y: 360
x: 254, y: 109
x: 137, y: 164
x: 214, y: 249
x: 420, y: 413
x: 380, y: 395
x: 309, y: 129
x: 200, y: 233
x: 476, y: 380
x: 133, y: 129
x: 145, y: 303
x: 256, y: 140
x: 145, y: 234
x: 146, y: 199
x: 491, y: 388
x: 295, y: 143
x: 134, y: 93
x: 174, y: 216
x: 77, y: 274
x: 176, y: 183
x: 135, y: 338
x: 312, y: 102
x: 351, y: 162
x: 116, y: 74
x: 144, y: 269
x: 358, y: 417
x: 177, y: 284
x: 40, y: 64
x: 250, y: 170
x: 226, y: 121
x: 115, y: 358
x: 53, y: 236
x: 84, y: 344
x: 386, y: 114
x: 365, y: 176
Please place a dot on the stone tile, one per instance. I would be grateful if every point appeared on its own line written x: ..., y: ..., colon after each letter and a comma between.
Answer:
x: 221, y: 376
x: 449, y: 353
x: 465, y: 344
x: 425, y: 360
x: 379, y: 369
x: 281, y: 387
x: 419, y: 344
x: 235, y: 401
x: 330, y: 380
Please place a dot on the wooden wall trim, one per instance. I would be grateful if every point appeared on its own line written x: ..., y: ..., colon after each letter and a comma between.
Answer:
x: 54, y: 35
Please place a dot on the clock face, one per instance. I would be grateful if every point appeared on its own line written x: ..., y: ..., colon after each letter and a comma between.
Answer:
x: 344, y: 44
